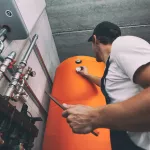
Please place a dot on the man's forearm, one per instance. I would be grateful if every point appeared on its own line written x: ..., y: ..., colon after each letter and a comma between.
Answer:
x: 94, y: 79
x: 130, y: 115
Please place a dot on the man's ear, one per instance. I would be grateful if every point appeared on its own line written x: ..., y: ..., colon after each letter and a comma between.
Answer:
x: 94, y: 39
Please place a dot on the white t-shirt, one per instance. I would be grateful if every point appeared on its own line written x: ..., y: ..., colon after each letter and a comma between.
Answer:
x: 128, y: 53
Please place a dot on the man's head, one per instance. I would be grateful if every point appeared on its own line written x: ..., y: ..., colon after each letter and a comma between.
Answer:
x: 103, y: 36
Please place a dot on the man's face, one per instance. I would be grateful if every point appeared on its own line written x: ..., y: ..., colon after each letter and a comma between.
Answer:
x: 98, y: 49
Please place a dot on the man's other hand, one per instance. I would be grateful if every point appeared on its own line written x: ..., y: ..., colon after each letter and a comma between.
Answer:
x: 82, y: 119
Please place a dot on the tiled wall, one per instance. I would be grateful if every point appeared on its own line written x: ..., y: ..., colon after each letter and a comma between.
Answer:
x: 38, y: 83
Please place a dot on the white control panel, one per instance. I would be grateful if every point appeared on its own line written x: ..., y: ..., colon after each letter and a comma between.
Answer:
x: 20, y: 16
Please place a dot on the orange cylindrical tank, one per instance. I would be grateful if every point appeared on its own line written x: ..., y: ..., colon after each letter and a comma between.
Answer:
x: 69, y: 87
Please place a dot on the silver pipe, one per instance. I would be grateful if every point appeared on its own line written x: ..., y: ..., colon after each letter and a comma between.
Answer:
x: 32, y: 95
x: 20, y: 68
x: 1, y: 46
x: 3, y: 32
x: 28, y: 89
x: 26, y: 56
x: 13, y: 84
x: 6, y: 63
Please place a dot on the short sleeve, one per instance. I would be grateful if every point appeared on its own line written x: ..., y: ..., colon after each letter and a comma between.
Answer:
x: 131, y: 53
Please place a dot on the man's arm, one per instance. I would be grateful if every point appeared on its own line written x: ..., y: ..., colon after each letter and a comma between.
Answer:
x: 134, y: 113
x: 94, y: 79
x: 130, y: 115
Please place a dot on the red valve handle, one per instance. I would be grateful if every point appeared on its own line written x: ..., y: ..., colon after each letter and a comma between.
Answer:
x: 11, y: 64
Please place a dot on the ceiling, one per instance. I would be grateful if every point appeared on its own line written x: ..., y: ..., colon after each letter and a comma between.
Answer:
x: 72, y: 21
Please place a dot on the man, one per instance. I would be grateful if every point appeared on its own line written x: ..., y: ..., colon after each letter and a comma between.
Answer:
x: 125, y: 85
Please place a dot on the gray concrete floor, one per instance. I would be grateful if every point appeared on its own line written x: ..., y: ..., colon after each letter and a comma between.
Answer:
x: 72, y: 21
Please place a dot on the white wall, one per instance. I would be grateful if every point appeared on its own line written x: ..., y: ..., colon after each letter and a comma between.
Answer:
x: 39, y: 83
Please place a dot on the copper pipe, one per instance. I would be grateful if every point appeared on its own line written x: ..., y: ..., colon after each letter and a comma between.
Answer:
x: 41, y: 61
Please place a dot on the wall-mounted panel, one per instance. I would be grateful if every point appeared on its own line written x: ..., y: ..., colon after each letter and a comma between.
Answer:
x: 20, y: 16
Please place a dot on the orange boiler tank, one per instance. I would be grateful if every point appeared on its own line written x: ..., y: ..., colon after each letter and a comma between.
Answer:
x: 69, y: 87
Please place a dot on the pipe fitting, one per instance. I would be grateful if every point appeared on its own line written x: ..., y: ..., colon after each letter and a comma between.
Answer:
x: 3, y: 31
x: 6, y: 63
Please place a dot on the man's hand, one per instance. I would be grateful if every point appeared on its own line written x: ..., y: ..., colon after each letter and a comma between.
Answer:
x: 83, y: 71
x: 82, y: 119
x: 91, y: 78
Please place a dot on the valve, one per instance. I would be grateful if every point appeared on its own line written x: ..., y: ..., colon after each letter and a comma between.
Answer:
x: 11, y: 64
x: 32, y: 74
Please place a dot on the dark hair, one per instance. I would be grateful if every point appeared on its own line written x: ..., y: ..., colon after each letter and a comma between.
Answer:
x: 105, y: 40
x: 109, y: 39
